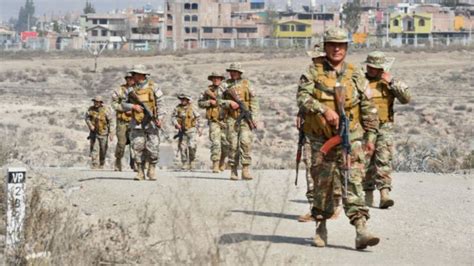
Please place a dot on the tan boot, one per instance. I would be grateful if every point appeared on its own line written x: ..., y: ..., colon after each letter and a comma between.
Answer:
x: 369, y: 198
x: 321, y: 237
x: 215, y: 167
x: 151, y: 172
x: 118, y: 165
x: 364, y: 238
x: 304, y: 218
x: 385, y: 200
x: 140, y: 175
x: 233, y: 173
x: 246, y: 172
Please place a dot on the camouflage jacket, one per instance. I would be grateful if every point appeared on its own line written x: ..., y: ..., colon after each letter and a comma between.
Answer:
x: 186, y: 116
x: 100, y: 119
x: 252, y: 100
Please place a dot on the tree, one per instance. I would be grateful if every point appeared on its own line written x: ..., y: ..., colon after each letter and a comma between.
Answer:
x: 89, y: 8
x: 271, y: 18
x: 351, y: 15
x: 26, y: 17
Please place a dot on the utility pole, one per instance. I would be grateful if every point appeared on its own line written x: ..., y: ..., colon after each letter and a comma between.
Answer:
x: 387, y: 24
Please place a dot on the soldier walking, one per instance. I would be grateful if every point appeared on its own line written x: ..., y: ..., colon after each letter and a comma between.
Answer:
x: 123, y: 119
x: 145, y: 103
x: 210, y: 100
x: 316, y: 96
x: 239, y: 99
x: 101, y: 125
x: 384, y: 90
x: 186, y: 120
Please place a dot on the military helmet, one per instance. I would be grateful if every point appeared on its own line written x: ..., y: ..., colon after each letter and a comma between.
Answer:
x: 98, y: 99
x: 128, y: 75
x: 316, y: 52
x: 335, y: 34
x: 215, y: 75
x: 235, y: 67
x: 378, y: 60
x: 184, y: 96
x: 139, y: 69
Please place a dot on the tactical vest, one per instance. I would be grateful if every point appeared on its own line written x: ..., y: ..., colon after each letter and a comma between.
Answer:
x: 383, y: 100
x: 146, y: 95
x: 123, y: 116
x: 98, y: 118
x: 243, y: 91
x: 186, y: 117
x: 324, y: 93
x: 213, y: 112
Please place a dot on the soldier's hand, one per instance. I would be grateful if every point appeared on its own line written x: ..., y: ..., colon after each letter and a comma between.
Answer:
x: 234, y: 105
x: 387, y: 77
x: 158, y: 123
x: 369, y: 149
x: 332, y: 118
x: 213, y: 102
x: 137, y: 108
x: 111, y: 137
x: 92, y: 128
x: 177, y: 126
x: 298, y: 122
x: 128, y: 112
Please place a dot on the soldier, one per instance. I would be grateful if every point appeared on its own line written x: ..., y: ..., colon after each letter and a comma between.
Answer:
x: 384, y: 90
x: 186, y: 120
x: 101, y: 125
x: 145, y: 102
x: 316, y: 97
x: 317, y: 57
x: 123, y: 119
x: 210, y: 100
x: 239, y: 90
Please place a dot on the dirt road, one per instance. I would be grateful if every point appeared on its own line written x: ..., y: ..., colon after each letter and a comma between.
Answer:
x: 255, y: 222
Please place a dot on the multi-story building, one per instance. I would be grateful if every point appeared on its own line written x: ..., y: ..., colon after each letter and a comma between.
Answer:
x: 105, y: 29
x: 145, y: 30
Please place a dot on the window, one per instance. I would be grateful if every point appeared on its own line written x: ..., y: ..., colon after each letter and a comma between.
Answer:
x: 169, y: 17
x: 227, y: 30
x: 284, y: 28
x: 169, y: 28
x: 94, y: 21
x: 301, y: 28
x: 104, y: 33
x: 194, y: 30
x: 187, y: 6
x: 103, y: 21
x: 194, y: 6
x: 247, y: 30
x: 95, y: 33
x: 114, y: 33
x: 421, y: 23
x: 395, y: 22
x: 187, y: 18
x: 207, y: 29
x: 187, y: 30
x: 194, y: 18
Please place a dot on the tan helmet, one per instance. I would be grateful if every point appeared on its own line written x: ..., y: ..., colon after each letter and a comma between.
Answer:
x: 316, y: 52
x: 236, y: 66
x: 139, y: 69
x: 215, y: 75
x: 184, y: 96
x: 98, y: 98
x: 335, y: 34
x: 128, y: 75
x: 377, y: 59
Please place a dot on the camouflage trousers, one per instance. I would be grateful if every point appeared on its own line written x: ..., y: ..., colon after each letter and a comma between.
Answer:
x: 329, y: 181
x: 98, y: 149
x: 188, y: 145
x: 379, y: 167
x: 145, y: 144
x: 219, y: 144
x: 122, y: 133
x: 246, y: 138
x: 309, y: 178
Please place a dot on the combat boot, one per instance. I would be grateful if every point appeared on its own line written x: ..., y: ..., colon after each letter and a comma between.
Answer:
x: 222, y: 164
x: 140, y: 175
x: 118, y: 165
x: 151, y: 172
x: 363, y: 237
x: 246, y: 172
x: 304, y: 218
x: 233, y: 173
x: 369, y: 198
x: 385, y: 200
x: 215, y: 167
x: 321, y: 237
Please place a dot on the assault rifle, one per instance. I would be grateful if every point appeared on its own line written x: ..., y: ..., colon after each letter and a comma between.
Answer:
x: 92, y: 135
x: 179, y: 135
x: 342, y: 137
x: 149, y: 117
x: 301, y: 140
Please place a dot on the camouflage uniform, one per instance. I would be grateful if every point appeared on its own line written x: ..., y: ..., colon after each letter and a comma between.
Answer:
x: 315, y: 96
x: 383, y: 95
x: 216, y: 122
x: 144, y: 139
x: 247, y: 95
x: 187, y: 118
x: 123, y: 121
x: 100, y: 119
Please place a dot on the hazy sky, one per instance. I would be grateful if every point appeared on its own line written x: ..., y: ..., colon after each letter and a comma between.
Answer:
x: 10, y: 8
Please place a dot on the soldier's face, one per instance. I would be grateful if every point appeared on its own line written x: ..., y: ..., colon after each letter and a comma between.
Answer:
x: 138, y: 77
x: 97, y: 103
x: 216, y: 81
x: 235, y: 74
x: 374, y: 72
x: 335, y: 52
x: 184, y: 101
x: 130, y: 81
